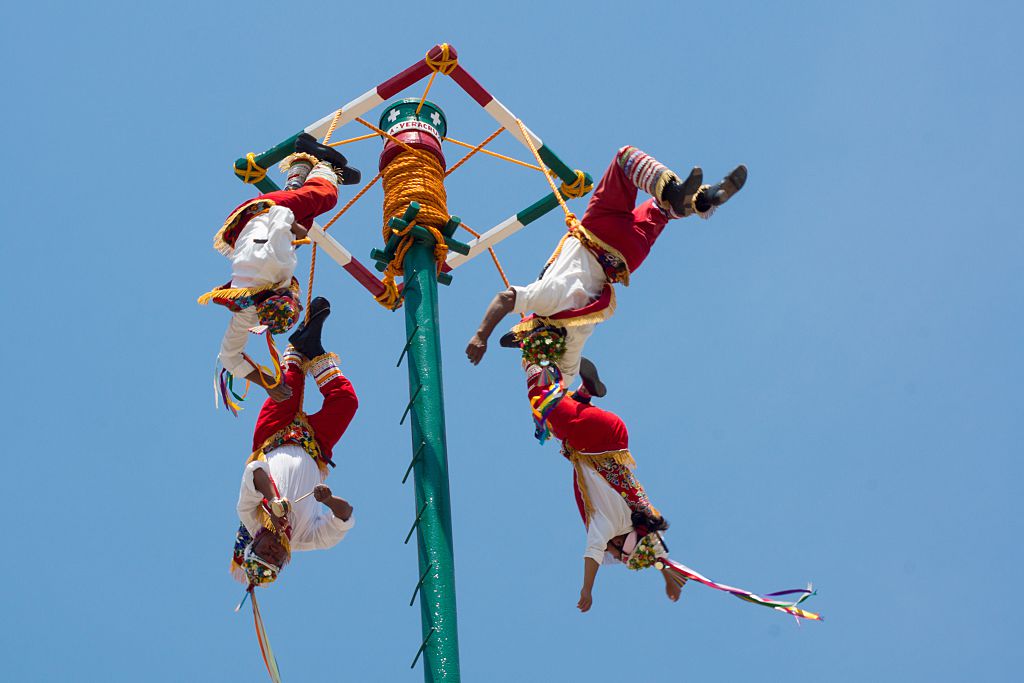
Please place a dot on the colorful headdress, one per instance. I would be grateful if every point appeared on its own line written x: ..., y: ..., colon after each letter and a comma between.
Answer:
x: 543, y: 345
x: 642, y: 554
x: 279, y: 312
x: 258, y: 572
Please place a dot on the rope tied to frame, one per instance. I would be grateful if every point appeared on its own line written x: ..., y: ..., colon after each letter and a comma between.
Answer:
x: 445, y: 64
x: 253, y: 172
x: 578, y: 187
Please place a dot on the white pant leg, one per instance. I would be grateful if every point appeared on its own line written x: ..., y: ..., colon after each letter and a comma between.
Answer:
x: 263, y: 252
x: 575, y: 338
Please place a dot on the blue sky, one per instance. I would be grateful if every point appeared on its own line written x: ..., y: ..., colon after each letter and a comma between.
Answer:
x: 822, y: 382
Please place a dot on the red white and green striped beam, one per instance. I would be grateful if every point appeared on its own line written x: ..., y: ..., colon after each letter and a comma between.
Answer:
x: 505, y: 229
x: 346, y: 260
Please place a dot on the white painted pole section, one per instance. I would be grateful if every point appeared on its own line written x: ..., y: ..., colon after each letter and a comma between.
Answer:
x: 499, y: 232
x: 330, y: 245
x: 349, y: 112
x: 500, y: 113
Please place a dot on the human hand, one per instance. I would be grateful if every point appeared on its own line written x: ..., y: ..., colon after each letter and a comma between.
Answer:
x: 322, y: 492
x: 586, y: 600
x: 281, y: 393
x: 476, y: 349
x: 300, y: 231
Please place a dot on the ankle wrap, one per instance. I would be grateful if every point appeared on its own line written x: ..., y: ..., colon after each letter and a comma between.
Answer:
x: 647, y: 173
x: 324, y: 368
x: 292, y: 358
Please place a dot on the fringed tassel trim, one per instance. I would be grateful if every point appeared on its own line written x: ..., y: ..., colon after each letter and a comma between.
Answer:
x: 659, y: 190
x: 619, y: 457
x: 296, y: 157
x: 581, y: 484
x: 703, y: 214
x: 226, y: 292
x: 224, y: 239
x: 528, y: 325
x: 579, y: 460
x: 278, y: 438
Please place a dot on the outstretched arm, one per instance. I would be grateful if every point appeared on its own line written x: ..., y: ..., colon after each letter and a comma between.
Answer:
x: 501, y: 305
x: 590, y: 567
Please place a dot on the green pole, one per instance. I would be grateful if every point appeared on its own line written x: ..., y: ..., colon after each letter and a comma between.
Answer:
x: 440, y: 646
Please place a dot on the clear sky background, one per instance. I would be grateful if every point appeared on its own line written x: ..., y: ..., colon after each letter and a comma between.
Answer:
x: 822, y: 383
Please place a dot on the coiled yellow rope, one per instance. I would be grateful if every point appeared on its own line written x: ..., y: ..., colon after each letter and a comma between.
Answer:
x: 412, y: 176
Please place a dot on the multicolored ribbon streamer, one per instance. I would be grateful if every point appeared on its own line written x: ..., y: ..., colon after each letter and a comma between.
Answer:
x: 681, y: 573
x: 541, y: 406
x: 225, y: 389
x: 261, y: 635
x: 275, y: 358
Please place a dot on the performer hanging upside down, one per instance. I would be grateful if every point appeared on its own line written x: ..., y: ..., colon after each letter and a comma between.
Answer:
x: 622, y: 525
x: 291, y: 454
x: 574, y: 290
x: 259, y: 239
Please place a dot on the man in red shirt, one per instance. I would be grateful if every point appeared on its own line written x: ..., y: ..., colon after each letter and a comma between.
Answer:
x: 615, y: 236
x: 291, y: 455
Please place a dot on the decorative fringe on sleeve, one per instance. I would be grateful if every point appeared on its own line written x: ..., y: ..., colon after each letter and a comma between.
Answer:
x: 681, y: 573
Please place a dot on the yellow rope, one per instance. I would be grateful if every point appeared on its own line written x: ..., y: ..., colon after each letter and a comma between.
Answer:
x: 352, y: 201
x: 578, y: 187
x: 355, y: 139
x: 495, y: 154
x: 412, y: 176
x: 570, y: 217
x: 494, y: 256
x: 445, y: 63
x: 389, y: 136
x: 253, y: 172
x: 423, y: 99
x: 473, y: 151
x: 415, y: 178
x: 334, y: 124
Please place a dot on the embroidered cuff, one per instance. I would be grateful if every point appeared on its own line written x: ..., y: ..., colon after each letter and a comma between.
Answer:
x: 324, y: 368
x: 324, y: 170
x: 292, y: 358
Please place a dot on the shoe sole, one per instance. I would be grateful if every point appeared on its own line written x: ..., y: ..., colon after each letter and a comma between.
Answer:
x: 733, y: 183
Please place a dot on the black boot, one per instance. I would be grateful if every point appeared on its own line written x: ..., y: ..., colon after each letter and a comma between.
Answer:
x: 680, y: 195
x: 719, y: 193
x: 306, y: 339
x: 347, y: 175
x: 591, y: 382
x: 510, y: 340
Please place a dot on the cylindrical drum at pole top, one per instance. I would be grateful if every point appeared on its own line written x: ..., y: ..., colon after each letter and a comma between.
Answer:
x: 424, y: 130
